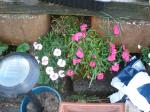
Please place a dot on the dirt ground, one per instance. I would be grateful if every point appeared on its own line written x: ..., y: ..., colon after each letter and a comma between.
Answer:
x: 10, y: 105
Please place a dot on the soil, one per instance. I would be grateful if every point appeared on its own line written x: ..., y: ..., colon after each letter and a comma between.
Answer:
x: 10, y: 104
x: 9, y: 107
x: 48, y: 101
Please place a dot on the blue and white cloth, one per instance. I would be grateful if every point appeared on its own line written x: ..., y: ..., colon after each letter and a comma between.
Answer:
x: 133, y: 83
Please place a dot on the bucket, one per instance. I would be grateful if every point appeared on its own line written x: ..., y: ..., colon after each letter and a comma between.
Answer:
x: 38, y: 90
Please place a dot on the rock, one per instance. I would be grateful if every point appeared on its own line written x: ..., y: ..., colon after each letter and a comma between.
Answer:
x: 133, y: 32
x: 18, y: 28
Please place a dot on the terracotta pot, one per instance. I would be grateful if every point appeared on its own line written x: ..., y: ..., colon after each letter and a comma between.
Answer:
x: 18, y: 28
x: 133, y: 32
x: 91, y: 107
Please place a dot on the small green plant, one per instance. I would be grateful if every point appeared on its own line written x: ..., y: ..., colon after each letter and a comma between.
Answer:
x: 145, y: 52
x: 49, y: 51
x: 3, y: 48
x: 24, y: 47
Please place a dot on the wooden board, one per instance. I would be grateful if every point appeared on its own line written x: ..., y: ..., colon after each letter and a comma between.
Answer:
x: 129, y: 11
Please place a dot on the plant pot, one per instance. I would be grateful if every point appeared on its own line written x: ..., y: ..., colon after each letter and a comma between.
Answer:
x: 91, y: 107
x: 39, y: 90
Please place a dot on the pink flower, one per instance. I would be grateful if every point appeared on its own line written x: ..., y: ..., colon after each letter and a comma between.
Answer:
x: 83, y: 27
x: 75, y: 61
x: 83, y: 34
x: 116, y: 30
x: 113, y: 51
x: 79, y: 53
x: 111, y: 58
x: 115, y: 67
x: 94, y: 56
x: 100, y: 76
x: 92, y: 64
x: 112, y: 46
x: 123, y: 47
x: 125, y: 56
x: 70, y: 73
x: 77, y: 36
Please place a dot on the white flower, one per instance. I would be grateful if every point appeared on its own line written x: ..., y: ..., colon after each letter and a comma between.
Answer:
x: 139, y: 46
x: 57, y: 52
x: 36, y: 57
x: 49, y: 70
x: 61, y: 63
x: 54, y: 76
x: 44, y: 60
x: 37, y: 46
x: 38, y: 61
x: 148, y: 55
x: 61, y: 73
x: 34, y: 44
x: 149, y: 64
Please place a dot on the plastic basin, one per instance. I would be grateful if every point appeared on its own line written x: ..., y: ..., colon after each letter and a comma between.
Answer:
x: 38, y: 90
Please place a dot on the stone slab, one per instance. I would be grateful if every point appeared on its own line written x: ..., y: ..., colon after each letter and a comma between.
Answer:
x: 133, y: 32
x: 18, y: 28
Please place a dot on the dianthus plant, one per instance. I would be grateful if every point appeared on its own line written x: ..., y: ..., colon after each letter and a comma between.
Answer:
x: 50, y: 54
x: 90, y: 55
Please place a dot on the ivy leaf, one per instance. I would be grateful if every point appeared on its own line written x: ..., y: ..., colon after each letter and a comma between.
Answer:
x: 23, y: 47
x: 3, y: 47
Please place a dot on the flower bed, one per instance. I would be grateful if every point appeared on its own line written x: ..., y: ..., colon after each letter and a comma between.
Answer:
x: 73, y: 50
x: 78, y: 52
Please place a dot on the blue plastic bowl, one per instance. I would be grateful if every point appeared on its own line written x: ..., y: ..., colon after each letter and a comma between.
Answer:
x: 38, y: 90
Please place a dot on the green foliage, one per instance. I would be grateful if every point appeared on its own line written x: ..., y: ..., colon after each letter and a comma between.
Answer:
x: 62, y: 29
x: 24, y: 47
x: 145, y: 51
x: 49, y: 43
x: 3, y: 48
x: 92, y: 44
x: 66, y: 26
